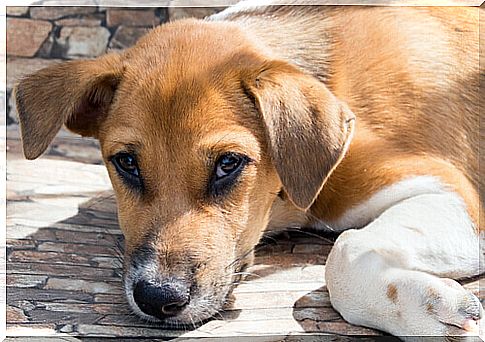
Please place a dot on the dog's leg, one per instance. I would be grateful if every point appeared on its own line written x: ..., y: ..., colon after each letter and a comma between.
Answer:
x: 394, y: 274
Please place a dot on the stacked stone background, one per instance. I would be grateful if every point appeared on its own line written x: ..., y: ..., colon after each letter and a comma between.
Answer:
x: 40, y: 36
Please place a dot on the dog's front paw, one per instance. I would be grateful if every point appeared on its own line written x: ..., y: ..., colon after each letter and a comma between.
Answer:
x: 416, y: 304
x: 439, y: 307
x: 459, y: 310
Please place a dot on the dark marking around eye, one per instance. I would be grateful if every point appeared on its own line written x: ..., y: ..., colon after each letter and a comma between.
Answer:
x: 126, y: 166
x: 226, y: 173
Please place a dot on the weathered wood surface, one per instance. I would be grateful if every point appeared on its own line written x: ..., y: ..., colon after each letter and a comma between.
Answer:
x: 64, y: 262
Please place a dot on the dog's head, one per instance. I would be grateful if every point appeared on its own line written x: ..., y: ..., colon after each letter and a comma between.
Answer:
x: 199, y: 132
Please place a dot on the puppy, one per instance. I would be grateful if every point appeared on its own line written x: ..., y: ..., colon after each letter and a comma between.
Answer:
x: 363, y: 120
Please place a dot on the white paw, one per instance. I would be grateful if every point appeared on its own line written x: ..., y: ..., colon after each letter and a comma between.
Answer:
x: 457, y: 308
x: 417, y: 304
x: 445, y: 308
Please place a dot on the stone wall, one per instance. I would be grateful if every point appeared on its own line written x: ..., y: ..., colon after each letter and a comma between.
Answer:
x: 39, y: 36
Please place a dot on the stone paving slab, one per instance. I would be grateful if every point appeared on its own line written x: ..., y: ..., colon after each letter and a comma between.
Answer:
x: 64, y: 263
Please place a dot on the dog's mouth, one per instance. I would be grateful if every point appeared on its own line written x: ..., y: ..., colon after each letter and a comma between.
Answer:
x: 178, y: 302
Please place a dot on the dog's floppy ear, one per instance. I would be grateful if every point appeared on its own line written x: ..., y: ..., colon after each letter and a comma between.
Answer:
x: 307, y: 127
x: 75, y: 93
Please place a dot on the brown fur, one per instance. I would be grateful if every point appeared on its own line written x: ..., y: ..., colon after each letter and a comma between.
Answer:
x: 392, y: 292
x: 191, y: 90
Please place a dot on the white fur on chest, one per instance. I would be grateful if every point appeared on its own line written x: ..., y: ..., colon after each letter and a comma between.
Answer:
x: 367, y: 211
x: 285, y: 215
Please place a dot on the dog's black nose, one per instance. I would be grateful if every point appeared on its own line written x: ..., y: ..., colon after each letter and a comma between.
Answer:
x: 161, y: 301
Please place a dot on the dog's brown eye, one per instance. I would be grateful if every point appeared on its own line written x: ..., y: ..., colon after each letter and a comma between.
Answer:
x: 126, y: 163
x: 127, y: 168
x: 227, y: 170
x: 227, y: 164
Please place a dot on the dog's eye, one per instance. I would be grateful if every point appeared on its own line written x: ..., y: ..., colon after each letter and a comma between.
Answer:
x: 228, y: 164
x: 226, y: 172
x: 125, y: 162
x: 127, y: 167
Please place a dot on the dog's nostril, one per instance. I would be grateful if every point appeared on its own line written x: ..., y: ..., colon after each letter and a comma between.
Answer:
x: 172, y: 309
x: 160, y: 301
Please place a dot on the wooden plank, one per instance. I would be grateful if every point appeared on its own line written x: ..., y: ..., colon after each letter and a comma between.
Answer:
x: 69, y: 271
x: 61, y: 176
x: 276, y: 327
x: 279, y: 299
x: 16, y: 294
x: 77, y: 248
x: 26, y: 280
x: 40, y: 329
x: 84, y: 286
x: 110, y: 229
x: 49, y: 258
x: 95, y: 308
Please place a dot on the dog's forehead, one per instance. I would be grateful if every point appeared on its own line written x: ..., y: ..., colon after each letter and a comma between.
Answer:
x: 186, y: 114
x: 188, y: 105
x: 179, y: 88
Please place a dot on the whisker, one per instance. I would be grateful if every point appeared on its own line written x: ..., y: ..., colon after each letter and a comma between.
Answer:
x: 246, y: 274
x: 320, y: 222
x: 240, y: 258
x: 305, y: 232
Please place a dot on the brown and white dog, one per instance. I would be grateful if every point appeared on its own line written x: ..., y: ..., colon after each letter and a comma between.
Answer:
x: 262, y: 117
